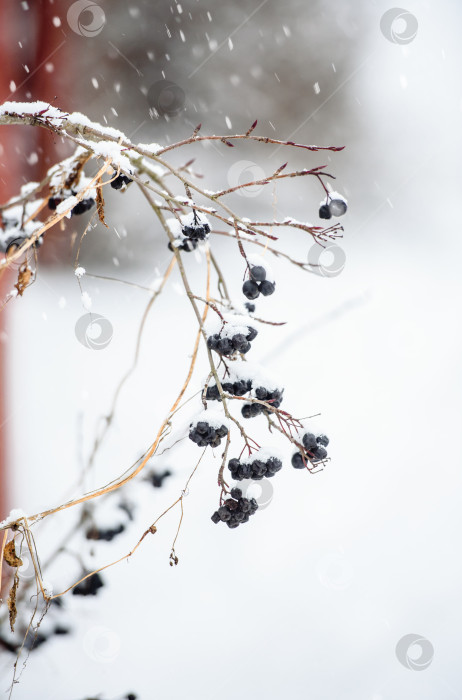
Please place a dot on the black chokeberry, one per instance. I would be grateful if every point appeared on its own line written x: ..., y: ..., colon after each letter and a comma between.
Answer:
x: 325, y: 212
x: 89, y: 586
x: 297, y: 461
x: 250, y: 307
x: 258, y: 273
x: 267, y: 288
x: 83, y: 206
x: 309, y: 441
x: 250, y: 289
x: 235, y: 510
x: 120, y: 181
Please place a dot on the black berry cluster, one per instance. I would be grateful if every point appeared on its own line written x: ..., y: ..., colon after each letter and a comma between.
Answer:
x: 335, y: 205
x: 235, y: 510
x: 258, y: 282
x: 254, y: 468
x: 89, y: 586
x: 236, y: 388
x: 193, y: 232
x: 120, y: 181
x: 204, y: 434
x: 156, y: 478
x: 80, y: 208
x: 315, y: 450
x: 271, y: 396
x: 106, y: 534
x: 239, y: 342
x: 197, y: 231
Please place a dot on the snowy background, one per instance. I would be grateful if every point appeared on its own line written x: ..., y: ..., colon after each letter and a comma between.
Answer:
x: 311, y: 597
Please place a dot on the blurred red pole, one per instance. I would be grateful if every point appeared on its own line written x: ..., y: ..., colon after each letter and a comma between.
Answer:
x: 47, y: 50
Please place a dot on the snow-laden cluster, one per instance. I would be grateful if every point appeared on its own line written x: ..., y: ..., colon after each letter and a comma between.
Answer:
x: 334, y: 204
x: 230, y: 334
x: 16, y: 227
x: 314, y: 442
x: 209, y: 428
x: 247, y: 378
x: 188, y: 230
x: 259, y: 465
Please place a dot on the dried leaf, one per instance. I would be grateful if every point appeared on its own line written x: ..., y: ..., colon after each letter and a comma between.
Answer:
x: 12, y: 610
x: 100, y: 204
x: 9, y: 554
x: 24, y: 279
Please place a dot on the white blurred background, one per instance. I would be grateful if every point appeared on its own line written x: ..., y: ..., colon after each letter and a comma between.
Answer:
x: 310, y: 599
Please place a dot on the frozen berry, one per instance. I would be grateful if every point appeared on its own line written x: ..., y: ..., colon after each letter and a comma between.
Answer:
x: 322, y: 440
x: 319, y: 453
x: 250, y: 307
x: 120, y: 181
x: 258, y: 273
x: 325, y: 212
x: 89, y: 586
x: 297, y: 461
x: 309, y: 441
x: 267, y: 288
x: 250, y: 289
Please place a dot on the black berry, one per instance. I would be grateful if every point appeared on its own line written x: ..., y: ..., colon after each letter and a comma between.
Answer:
x: 250, y: 289
x: 267, y: 288
x: 258, y: 273
x: 324, y: 212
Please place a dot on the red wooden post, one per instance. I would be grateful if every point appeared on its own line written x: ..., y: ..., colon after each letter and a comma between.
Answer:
x: 48, y: 77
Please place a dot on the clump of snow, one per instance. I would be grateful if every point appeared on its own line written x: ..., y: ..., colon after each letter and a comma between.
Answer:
x: 174, y: 227
x: 40, y: 110
x: 312, y: 425
x: 264, y: 454
x: 109, y: 149
x: 213, y: 417
x: 15, y: 514
x: 79, y: 272
x: 150, y: 147
x: 68, y: 203
x: 333, y: 195
x: 233, y: 324
x: 79, y: 119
